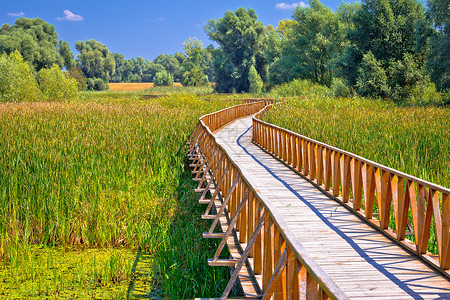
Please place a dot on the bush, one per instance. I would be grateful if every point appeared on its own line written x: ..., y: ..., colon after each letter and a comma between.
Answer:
x: 79, y: 77
x: 57, y: 85
x: 255, y: 81
x: 372, y: 79
x: 97, y: 84
x: 340, y: 88
x: 17, y: 81
x: 163, y: 78
x: 425, y: 95
x: 195, y: 77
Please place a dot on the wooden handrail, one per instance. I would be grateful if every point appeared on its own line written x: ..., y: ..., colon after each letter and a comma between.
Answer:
x: 356, y: 181
x: 277, y: 257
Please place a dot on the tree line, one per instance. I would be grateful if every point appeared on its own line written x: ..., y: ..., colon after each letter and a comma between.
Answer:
x: 396, y: 49
x: 95, y: 66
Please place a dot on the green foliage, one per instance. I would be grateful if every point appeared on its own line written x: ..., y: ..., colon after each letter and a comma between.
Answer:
x: 405, y: 76
x: 317, y: 38
x: 78, y: 75
x: 35, y: 40
x: 17, y: 81
x: 97, y: 84
x: 57, y: 85
x: 300, y: 87
x: 240, y: 37
x: 256, y: 83
x: 372, y: 79
x: 95, y: 59
x: 194, y: 64
x: 163, y: 78
x: 171, y: 64
x: 382, y: 35
x: 136, y: 69
x: 340, y: 88
x: 439, y: 43
x: 66, y: 54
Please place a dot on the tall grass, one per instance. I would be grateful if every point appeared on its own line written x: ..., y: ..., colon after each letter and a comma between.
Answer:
x: 102, y: 172
x: 415, y: 141
x: 412, y: 140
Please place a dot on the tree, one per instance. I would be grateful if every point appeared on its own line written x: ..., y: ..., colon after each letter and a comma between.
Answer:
x: 96, y: 60
x: 315, y: 40
x: 57, y: 85
x: 240, y: 37
x: 439, y: 55
x: 163, y: 78
x: 17, y: 81
x: 279, y: 53
x: 66, y: 54
x: 150, y: 70
x: 171, y: 64
x: 372, y: 79
x: 118, y: 75
x: 387, y: 28
x: 35, y: 40
x: 77, y: 74
x: 256, y: 84
x: 194, y: 64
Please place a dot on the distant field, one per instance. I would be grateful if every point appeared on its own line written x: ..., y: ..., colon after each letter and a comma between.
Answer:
x: 134, y: 86
x: 125, y: 87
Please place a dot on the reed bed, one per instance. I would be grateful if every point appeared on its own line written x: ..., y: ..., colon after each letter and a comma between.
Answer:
x: 103, y: 175
x: 415, y: 141
x: 412, y: 140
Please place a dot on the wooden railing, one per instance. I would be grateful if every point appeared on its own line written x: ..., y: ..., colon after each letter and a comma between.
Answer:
x: 282, y: 267
x: 375, y: 192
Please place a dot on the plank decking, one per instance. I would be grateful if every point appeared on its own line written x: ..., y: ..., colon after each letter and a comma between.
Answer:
x: 358, y: 258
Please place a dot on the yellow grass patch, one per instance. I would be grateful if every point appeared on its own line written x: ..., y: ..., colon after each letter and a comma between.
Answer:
x: 130, y: 86
x: 135, y: 86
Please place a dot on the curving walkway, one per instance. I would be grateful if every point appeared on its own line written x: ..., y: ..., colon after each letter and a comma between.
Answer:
x: 359, y: 259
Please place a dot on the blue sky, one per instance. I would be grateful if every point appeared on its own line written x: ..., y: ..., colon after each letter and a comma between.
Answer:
x: 140, y: 28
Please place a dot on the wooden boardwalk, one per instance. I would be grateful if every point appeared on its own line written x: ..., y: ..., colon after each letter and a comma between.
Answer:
x: 360, y: 260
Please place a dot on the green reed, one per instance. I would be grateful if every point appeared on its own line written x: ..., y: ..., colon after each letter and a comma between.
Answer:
x: 415, y: 141
x: 102, y: 172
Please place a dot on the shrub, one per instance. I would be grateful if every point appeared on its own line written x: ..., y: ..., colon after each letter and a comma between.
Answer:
x: 57, y: 85
x: 425, y: 95
x: 340, y: 88
x: 255, y: 81
x: 372, y: 79
x: 79, y: 77
x: 163, y: 78
x: 17, y: 81
x: 195, y: 77
x: 97, y: 84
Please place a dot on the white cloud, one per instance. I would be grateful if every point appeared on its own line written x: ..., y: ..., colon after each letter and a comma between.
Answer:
x: 161, y: 19
x: 70, y: 16
x: 283, y: 5
x: 19, y: 14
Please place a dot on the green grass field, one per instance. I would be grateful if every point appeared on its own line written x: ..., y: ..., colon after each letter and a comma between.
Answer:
x: 96, y: 200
